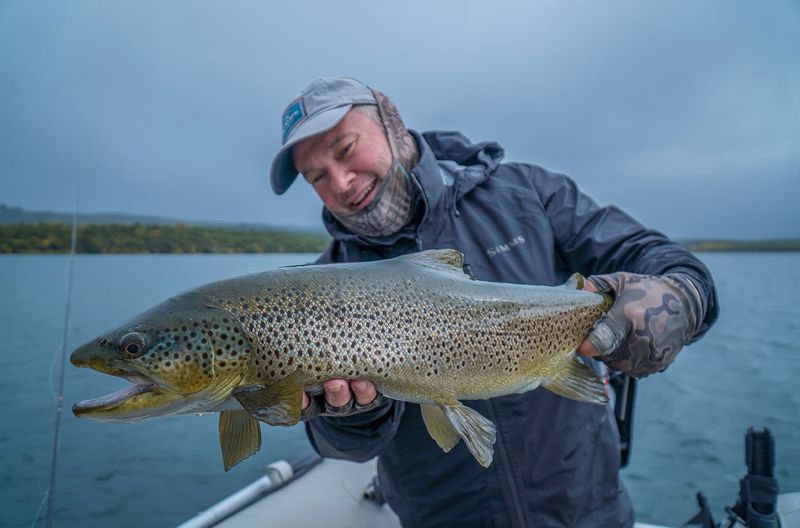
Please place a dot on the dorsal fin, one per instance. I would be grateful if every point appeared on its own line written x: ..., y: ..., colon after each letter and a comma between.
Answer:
x: 448, y: 257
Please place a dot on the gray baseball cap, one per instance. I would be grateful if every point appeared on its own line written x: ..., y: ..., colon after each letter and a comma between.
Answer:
x: 317, y: 109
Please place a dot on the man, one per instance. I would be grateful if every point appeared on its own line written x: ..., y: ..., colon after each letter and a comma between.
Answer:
x: 389, y: 191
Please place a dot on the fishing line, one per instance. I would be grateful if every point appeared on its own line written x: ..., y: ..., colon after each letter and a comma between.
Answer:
x: 41, y: 505
x: 50, y: 384
x: 53, y: 362
x: 60, y: 399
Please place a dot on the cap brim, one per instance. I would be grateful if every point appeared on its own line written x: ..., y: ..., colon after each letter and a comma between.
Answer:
x: 283, y: 172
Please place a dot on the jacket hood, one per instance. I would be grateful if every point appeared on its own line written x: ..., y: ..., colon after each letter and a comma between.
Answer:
x: 454, y: 146
x: 470, y: 165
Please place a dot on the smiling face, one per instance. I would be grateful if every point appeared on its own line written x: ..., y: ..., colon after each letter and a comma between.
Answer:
x: 346, y: 164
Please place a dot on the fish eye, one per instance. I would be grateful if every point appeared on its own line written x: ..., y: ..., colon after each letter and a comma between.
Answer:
x: 132, y: 344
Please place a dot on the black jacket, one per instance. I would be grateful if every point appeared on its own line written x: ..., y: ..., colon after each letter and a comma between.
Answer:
x: 556, y: 460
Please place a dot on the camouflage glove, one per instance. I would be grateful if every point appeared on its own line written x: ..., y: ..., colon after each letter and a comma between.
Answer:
x: 652, y: 318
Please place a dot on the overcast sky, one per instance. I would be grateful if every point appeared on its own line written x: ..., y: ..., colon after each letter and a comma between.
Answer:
x: 685, y: 113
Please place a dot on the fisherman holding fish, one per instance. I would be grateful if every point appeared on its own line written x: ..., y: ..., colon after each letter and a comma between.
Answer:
x: 390, y: 191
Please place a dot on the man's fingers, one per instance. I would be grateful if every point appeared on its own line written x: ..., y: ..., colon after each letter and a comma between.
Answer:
x: 607, y: 335
x: 306, y: 401
x: 364, y: 391
x: 587, y: 349
x: 589, y: 286
x: 337, y: 392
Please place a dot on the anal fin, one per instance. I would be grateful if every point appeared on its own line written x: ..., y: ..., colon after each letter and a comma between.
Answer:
x: 578, y: 382
x: 447, y: 423
x: 239, y: 437
x: 439, y: 426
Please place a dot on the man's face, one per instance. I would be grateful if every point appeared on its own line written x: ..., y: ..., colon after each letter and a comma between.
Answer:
x: 346, y: 164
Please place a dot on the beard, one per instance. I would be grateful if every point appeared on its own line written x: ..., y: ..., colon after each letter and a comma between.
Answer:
x: 391, y: 210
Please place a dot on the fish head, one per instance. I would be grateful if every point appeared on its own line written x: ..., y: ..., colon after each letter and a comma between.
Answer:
x: 183, y: 356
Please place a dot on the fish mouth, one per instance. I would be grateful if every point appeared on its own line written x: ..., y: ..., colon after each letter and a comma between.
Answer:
x: 115, y: 399
x: 143, y: 399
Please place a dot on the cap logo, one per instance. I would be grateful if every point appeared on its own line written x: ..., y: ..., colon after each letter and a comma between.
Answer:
x: 293, y: 114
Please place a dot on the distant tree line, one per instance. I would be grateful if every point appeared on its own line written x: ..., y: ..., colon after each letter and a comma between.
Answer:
x: 53, y: 237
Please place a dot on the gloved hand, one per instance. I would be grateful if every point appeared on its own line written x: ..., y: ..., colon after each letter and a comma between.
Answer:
x: 338, y: 397
x: 652, y: 318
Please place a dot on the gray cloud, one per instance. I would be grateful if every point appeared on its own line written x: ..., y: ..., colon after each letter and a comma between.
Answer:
x: 686, y: 114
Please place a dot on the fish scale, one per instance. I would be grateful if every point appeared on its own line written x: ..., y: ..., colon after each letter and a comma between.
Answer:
x: 416, y: 326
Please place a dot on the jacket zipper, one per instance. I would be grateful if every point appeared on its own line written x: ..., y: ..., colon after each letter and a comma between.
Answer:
x: 501, y: 450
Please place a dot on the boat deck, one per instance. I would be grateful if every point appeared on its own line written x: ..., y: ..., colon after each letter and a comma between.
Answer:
x: 331, y: 494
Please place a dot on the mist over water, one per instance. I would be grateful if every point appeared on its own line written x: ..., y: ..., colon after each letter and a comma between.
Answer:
x: 689, y: 421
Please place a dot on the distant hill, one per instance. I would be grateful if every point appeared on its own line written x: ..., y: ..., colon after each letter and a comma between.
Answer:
x: 17, y: 215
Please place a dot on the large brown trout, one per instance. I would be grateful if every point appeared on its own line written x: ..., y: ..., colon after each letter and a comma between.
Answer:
x: 416, y: 326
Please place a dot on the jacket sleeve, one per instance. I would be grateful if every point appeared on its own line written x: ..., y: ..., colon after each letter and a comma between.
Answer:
x: 595, y: 240
x: 358, y: 437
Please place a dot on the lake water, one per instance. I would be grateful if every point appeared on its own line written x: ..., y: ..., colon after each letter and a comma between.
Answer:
x: 689, y: 422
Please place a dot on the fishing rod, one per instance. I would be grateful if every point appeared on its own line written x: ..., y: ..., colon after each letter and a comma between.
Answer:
x: 60, y: 397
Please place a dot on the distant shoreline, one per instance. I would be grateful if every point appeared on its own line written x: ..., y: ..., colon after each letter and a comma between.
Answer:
x: 55, y: 237
x: 742, y: 246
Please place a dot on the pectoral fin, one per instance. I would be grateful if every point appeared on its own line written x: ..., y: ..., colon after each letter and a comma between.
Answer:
x: 578, y: 382
x: 439, y: 426
x: 277, y: 403
x: 447, y: 422
x: 239, y: 437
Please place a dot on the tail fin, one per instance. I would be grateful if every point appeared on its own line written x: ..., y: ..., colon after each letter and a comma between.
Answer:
x: 575, y: 282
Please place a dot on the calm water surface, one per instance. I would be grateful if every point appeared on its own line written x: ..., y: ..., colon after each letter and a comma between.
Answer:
x: 689, y: 425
